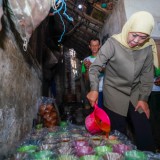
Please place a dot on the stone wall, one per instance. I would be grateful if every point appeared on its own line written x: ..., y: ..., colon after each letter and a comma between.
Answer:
x: 20, y: 87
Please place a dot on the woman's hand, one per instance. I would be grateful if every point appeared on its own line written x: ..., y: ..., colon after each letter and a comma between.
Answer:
x: 144, y: 106
x: 92, y: 96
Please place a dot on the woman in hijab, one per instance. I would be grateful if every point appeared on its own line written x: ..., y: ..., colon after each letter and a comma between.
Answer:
x: 128, y: 78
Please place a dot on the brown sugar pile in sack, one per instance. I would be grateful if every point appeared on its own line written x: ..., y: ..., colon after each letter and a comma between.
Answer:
x: 48, y: 112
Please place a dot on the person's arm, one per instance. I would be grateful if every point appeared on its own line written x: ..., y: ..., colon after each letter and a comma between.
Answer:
x: 105, y: 53
x: 157, y: 76
x: 87, y: 64
x: 157, y: 72
x: 146, y: 84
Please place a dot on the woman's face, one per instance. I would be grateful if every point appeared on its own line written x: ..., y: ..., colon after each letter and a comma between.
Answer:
x: 136, y: 38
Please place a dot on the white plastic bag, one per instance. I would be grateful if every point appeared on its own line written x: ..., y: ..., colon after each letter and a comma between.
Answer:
x: 27, y: 15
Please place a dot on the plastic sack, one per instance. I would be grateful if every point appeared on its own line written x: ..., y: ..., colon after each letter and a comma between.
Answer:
x: 48, y: 111
x: 27, y: 15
